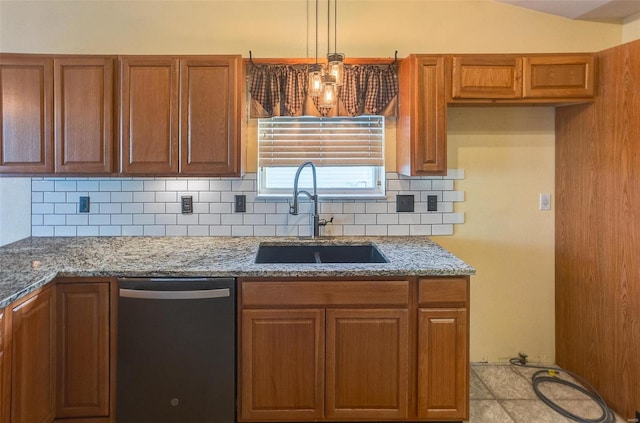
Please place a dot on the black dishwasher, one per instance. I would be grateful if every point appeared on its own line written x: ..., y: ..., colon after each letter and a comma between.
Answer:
x: 176, y: 350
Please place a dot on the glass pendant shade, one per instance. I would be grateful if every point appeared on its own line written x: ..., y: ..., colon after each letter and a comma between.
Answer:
x: 315, y: 80
x: 329, y: 96
x: 336, y: 67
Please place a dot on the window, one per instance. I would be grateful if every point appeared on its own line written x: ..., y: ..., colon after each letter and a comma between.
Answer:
x: 348, y: 153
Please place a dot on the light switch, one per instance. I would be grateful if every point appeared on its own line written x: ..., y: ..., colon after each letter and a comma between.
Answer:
x: 545, y: 201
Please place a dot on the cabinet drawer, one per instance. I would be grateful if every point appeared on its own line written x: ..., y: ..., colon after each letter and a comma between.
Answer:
x: 443, y: 290
x: 324, y: 293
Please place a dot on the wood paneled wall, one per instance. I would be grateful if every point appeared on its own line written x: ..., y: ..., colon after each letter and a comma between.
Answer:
x: 598, y: 232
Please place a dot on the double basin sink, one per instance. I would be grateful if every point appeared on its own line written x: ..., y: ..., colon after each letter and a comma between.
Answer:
x: 322, y: 253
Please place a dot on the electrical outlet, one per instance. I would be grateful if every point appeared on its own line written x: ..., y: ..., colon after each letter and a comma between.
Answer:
x: 83, y: 205
x: 404, y: 203
x: 241, y: 204
x: 432, y: 203
x: 187, y: 204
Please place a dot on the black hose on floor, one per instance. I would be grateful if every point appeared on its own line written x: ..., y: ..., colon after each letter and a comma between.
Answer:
x: 550, y: 375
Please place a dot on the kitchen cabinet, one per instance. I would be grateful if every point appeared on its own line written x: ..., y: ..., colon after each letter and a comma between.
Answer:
x: 83, y: 348
x: 486, y: 76
x: 443, y: 360
x: 83, y: 114
x: 181, y: 115
x: 421, y: 144
x: 317, y: 349
x: 521, y: 79
x: 26, y: 110
x: 283, y: 364
x: 57, y: 114
x: 367, y: 353
x: 148, y: 115
x: 32, y: 358
x: 5, y: 397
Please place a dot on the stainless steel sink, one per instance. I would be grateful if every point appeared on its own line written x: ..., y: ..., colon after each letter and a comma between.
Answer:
x: 310, y: 253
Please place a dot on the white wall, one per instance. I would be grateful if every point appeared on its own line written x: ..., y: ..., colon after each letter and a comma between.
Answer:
x: 15, y: 209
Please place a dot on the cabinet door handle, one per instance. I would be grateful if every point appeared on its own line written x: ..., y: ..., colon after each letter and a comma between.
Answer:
x: 175, y: 295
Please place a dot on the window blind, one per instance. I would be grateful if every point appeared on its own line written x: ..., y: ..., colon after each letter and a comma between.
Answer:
x: 335, y: 141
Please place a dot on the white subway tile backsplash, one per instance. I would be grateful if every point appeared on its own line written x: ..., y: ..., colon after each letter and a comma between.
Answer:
x: 198, y: 185
x: 442, y: 230
x: 63, y: 185
x: 151, y: 207
x: 87, y: 231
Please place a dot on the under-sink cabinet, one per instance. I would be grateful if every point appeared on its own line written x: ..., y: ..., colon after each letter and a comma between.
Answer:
x: 345, y: 349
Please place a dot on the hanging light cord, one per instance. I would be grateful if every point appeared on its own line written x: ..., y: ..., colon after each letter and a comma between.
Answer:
x: 549, y: 375
x: 335, y: 26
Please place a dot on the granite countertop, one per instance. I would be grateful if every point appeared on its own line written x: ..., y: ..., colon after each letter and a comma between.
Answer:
x: 30, y: 263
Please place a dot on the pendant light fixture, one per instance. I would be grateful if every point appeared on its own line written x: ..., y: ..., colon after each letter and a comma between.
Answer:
x: 335, y: 60
x: 315, y: 71
x: 329, y: 97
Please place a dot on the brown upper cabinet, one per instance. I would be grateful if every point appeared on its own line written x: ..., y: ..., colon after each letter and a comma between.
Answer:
x: 26, y: 113
x: 543, y: 78
x: 421, y: 145
x: 57, y: 114
x: 181, y: 115
x: 83, y: 98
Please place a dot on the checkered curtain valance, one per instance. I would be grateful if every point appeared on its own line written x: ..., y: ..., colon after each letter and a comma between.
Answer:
x: 281, y: 90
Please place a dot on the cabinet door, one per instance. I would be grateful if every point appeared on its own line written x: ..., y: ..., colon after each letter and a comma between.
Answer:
x: 4, y: 374
x: 83, y: 350
x: 149, y: 115
x: 422, y: 138
x: 443, y: 364
x: 559, y: 76
x: 282, y: 364
x: 490, y: 77
x: 210, y: 116
x: 83, y: 115
x: 367, y: 364
x: 26, y: 125
x: 32, y: 360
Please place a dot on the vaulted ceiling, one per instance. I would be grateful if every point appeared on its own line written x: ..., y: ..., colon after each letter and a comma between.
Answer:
x: 582, y: 9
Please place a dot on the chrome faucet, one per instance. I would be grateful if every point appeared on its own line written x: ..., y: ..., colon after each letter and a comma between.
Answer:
x: 293, y: 208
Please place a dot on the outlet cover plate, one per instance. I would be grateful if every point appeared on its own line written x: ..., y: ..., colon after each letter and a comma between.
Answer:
x: 84, y: 205
x: 404, y: 203
x: 432, y: 203
x: 187, y: 204
x: 240, y: 203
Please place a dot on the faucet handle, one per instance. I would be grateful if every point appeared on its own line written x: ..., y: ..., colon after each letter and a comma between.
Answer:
x: 325, y: 222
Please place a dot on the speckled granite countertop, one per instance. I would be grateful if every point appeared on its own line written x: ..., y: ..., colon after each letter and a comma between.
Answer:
x: 30, y: 263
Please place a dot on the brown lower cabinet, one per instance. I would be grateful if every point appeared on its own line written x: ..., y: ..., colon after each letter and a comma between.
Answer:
x: 4, y: 364
x: 345, y: 350
x: 31, y: 323
x: 83, y: 366
x: 56, y: 354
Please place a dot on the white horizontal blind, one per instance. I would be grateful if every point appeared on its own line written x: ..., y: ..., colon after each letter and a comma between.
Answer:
x: 335, y: 141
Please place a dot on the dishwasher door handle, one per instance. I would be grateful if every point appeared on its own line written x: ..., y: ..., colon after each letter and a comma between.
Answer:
x: 175, y: 295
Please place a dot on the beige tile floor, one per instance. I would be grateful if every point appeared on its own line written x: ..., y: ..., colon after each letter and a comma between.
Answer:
x: 504, y: 394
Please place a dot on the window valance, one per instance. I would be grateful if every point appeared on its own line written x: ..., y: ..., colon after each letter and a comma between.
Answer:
x: 281, y: 90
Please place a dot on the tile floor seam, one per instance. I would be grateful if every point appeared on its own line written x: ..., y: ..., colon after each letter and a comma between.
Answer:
x: 493, y: 394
